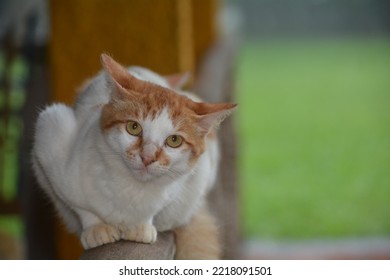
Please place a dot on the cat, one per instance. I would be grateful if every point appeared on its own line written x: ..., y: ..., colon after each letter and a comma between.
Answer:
x: 133, y: 157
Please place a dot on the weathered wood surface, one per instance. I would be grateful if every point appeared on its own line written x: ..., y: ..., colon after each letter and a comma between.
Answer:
x: 163, y: 249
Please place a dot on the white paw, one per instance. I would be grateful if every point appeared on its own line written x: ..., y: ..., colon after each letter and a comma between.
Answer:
x: 98, y: 235
x: 144, y: 233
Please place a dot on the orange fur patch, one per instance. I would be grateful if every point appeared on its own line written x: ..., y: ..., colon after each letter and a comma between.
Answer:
x: 162, y: 157
x: 199, y: 240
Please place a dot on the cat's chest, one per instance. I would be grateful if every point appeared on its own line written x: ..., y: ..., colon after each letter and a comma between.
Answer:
x: 121, y: 199
x: 121, y: 189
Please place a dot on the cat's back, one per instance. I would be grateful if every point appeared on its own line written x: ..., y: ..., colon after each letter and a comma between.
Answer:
x: 56, y: 128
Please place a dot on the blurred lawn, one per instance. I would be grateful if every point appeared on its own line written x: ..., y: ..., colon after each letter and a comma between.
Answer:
x: 314, y: 132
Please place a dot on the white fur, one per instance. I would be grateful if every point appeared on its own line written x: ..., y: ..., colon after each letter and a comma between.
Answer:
x: 92, y: 181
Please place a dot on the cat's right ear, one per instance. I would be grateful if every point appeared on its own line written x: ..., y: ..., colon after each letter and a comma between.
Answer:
x: 121, y: 79
x: 116, y: 71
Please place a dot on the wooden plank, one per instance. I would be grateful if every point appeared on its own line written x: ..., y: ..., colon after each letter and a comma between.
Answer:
x: 152, y: 33
x: 205, y: 16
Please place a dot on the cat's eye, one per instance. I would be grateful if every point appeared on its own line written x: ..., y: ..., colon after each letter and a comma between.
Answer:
x: 174, y: 141
x: 134, y: 128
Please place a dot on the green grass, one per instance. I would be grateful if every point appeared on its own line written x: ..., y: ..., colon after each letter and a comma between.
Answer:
x: 314, y: 127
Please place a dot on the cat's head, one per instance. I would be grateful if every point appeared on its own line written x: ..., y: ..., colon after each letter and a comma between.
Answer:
x: 155, y: 131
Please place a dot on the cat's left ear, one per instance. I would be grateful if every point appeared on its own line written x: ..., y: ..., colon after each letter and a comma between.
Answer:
x: 178, y: 81
x: 211, y: 115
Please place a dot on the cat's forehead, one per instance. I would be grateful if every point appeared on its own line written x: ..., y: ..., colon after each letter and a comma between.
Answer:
x: 161, y: 103
x: 159, y: 125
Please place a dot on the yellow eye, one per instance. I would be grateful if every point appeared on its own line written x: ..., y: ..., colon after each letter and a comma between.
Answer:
x: 134, y: 128
x: 174, y: 141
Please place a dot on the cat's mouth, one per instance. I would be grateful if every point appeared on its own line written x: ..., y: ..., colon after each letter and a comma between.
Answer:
x: 145, y: 173
x: 145, y: 170
x: 142, y: 172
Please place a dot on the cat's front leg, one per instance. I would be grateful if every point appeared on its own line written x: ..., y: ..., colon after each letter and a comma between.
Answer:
x: 95, y: 232
x: 144, y: 233
x: 98, y: 235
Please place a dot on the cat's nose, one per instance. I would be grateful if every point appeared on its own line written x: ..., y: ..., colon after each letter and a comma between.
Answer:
x: 148, y: 153
x: 147, y: 160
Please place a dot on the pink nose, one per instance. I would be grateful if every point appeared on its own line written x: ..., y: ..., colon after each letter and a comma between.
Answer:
x: 148, y: 153
x: 147, y: 160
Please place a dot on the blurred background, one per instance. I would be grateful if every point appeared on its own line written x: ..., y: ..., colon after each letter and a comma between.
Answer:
x: 314, y: 121
x: 312, y: 79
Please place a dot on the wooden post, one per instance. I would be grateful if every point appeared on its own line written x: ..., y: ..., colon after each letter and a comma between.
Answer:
x: 204, y: 16
x: 215, y: 83
x: 153, y: 33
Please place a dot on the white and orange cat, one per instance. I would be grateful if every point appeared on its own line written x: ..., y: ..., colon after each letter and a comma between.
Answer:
x: 134, y: 157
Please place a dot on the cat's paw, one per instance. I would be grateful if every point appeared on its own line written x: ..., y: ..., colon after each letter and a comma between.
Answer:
x: 144, y: 233
x: 98, y: 235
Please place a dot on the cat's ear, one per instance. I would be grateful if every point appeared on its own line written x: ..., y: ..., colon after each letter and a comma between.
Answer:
x: 178, y: 81
x: 116, y: 71
x: 211, y: 115
x: 121, y: 79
